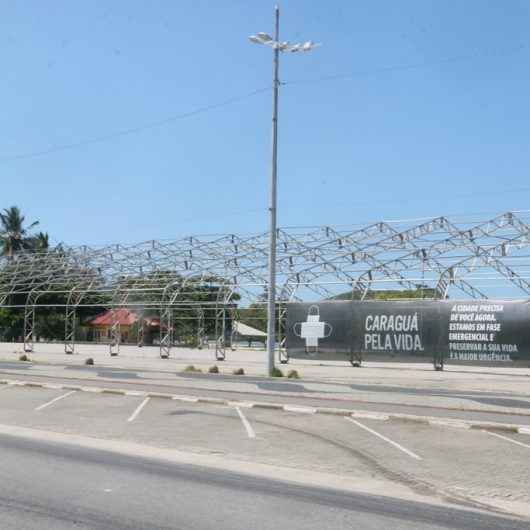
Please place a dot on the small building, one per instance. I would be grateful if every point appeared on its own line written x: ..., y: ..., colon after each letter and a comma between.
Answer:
x: 245, y: 333
x: 101, y: 325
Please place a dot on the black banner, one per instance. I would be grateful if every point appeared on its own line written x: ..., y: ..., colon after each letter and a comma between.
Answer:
x: 471, y: 330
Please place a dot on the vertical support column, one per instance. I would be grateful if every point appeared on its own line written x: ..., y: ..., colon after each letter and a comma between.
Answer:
x: 70, y: 324
x: 271, y: 285
x: 200, y: 328
x: 233, y: 331
x: 115, y: 335
x: 283, y: 356
x: 29, y: 324
x: 220, y: 333
x: 356, y: 358
x: 166, y: 332
x: 141, y: 332
x: 438, y: 361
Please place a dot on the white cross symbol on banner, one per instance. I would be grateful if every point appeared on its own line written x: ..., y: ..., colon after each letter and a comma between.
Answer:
x: 312, y: 329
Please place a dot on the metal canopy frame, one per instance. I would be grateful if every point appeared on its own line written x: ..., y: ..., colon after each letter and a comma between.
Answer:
x: 455, y: 257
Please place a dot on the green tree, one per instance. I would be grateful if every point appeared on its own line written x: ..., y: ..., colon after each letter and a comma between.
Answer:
x: 14, y: 235
x: 421, y: 291
x: 41, y: 241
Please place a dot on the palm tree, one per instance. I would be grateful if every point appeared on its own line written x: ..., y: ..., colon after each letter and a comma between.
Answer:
x: 14, y: 236
x: 39, y: 241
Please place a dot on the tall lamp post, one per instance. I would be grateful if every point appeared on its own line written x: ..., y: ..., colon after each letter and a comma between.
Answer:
x: 277, y: 47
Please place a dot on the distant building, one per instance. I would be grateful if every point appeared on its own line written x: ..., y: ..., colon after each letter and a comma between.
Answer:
x: 129, y: 322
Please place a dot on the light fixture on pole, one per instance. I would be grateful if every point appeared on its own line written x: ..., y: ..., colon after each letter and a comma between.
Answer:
x: 277, y: 47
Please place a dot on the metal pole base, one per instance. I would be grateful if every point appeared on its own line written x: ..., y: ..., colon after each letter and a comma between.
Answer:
x: 356, y: 359
x: 283, y: 357
x: 438, y: 364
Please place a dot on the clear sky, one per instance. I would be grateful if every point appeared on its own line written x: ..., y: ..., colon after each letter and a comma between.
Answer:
x: 409, y: 109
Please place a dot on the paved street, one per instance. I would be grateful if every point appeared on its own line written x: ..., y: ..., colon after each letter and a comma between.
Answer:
x: 49, y: 486
x: 474, y: 468
x: 430, y: 463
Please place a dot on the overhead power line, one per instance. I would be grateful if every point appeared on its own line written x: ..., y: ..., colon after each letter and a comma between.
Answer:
x: 134, y: 130
x: 236, y: 99
x: 405, y: 67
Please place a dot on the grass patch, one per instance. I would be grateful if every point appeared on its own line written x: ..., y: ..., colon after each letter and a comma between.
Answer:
x: 239, y: 371
x: 276, y: 372
x: 23, y: 357
x: 213, y: 369
x: 293, y: 374
x: 191, y: 369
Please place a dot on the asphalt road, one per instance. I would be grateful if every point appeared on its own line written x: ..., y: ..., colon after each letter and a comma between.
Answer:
x: 50, y: 486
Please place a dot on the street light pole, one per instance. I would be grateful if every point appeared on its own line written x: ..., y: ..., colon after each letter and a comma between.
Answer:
x: 271, y: 300
x: 277, y: 46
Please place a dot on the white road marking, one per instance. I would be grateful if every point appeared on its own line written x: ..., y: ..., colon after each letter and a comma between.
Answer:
x: 388, y: 440
x: 448, y: 422
x: 55, y: 399
x: 139, y: 408
x: 508, y: 439
x: 299, y: 410
x: 187, y: 399
x: 248, y: 427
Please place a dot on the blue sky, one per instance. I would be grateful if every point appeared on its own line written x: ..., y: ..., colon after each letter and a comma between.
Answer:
x: 429, y: 114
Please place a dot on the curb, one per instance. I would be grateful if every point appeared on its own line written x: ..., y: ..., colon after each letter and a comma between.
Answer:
x: 299, y: 409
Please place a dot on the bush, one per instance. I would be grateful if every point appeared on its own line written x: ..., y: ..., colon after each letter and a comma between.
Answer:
x: 89, y: 361
x: 191, y: 368
x: 213, y: 369
x: 276, y: 372
x: 293, y: 374
x: 239, y: 371
x: 23, y: 357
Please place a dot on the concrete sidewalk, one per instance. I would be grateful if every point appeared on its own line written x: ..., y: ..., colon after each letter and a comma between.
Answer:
x: 384, y: 386
x: 504, y: 379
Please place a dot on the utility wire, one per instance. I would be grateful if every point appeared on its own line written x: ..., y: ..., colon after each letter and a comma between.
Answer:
x: 236, y: 99
x: 404, y: 67
x: 134, y: 130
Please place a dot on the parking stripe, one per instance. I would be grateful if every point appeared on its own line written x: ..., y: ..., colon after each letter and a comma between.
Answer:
x: 56, y: 399
x: 388, y: 440
x: 248, y: 427
x: 139, y: 408
x: 508, y: 439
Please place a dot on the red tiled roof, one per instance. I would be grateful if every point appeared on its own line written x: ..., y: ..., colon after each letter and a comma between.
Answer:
x: 123, y: 316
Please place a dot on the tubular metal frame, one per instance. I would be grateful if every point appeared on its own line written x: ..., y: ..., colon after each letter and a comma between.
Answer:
x: 449, y: 256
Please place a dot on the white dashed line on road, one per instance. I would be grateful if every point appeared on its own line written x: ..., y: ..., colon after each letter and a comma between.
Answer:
x: 508, y: 439
x: 55, y: 399
x: 388, y: 440
x: 248, y: 427
x: 139, y: 408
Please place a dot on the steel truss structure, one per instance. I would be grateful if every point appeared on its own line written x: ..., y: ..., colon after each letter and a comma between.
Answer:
x: 453, y: 258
